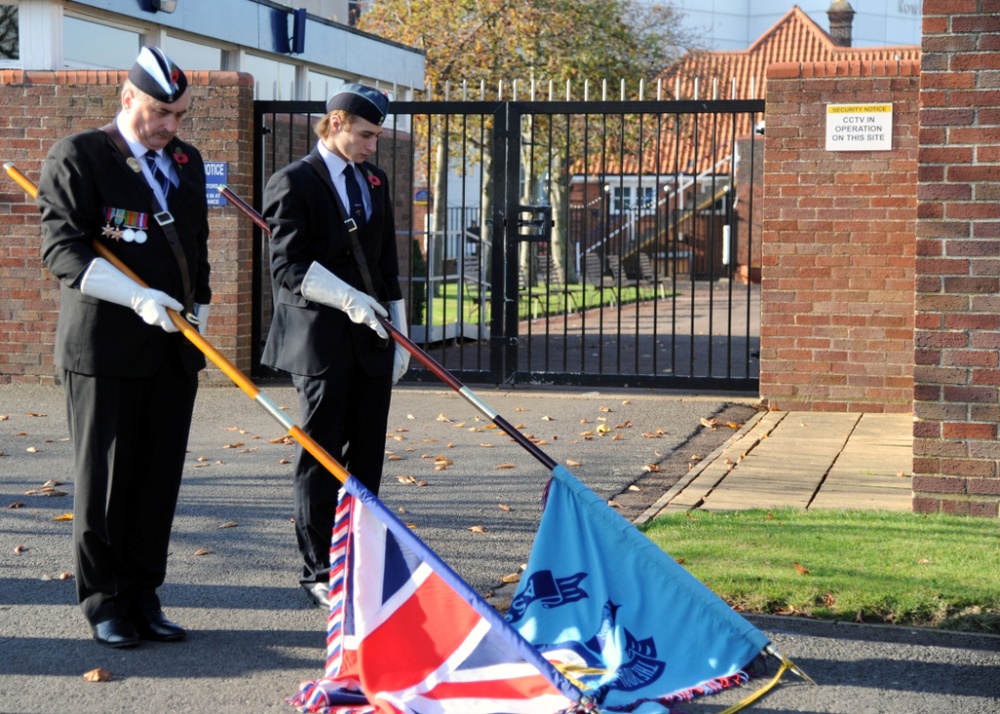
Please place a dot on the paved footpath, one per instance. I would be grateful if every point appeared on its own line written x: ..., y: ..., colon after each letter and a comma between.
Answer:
x: 253, y: 637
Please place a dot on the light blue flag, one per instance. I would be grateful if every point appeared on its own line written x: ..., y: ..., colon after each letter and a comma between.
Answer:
x: 599, y: 594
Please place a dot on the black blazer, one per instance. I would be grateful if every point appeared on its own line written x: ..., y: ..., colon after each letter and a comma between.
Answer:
x: 82, y: 177
x: 300, y: 207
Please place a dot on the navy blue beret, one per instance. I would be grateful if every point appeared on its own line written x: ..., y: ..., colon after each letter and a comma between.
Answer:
x: 361, y: 101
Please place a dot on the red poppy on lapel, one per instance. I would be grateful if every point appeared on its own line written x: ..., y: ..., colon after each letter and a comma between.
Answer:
x: 179, y: 156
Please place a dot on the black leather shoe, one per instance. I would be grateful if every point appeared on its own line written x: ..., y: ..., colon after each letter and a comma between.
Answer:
x: 319, y: 593
x: 156, y: 627
x: 115, y: 632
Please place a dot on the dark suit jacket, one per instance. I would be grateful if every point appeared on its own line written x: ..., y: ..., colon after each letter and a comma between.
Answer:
x: 300, y: 207
x: 83, y: 175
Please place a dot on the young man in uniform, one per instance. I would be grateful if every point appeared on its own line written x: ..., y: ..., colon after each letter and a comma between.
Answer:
x: 334, y: 267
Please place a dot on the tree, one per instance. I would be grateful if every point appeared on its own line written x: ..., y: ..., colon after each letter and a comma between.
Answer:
x: 562, y: 42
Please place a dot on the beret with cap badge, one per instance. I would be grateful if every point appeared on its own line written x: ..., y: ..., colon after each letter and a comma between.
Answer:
x: 361, y: 101
x: 155, y: 74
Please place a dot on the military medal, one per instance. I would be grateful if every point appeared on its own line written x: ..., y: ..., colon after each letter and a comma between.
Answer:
x: 129, y: 226
x: 133, y: 164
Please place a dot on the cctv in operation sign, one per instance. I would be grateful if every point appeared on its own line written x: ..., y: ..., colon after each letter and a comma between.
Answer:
x: 859, y: 127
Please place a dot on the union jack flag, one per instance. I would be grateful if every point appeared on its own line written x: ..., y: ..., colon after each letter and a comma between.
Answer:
x: 406, y: 635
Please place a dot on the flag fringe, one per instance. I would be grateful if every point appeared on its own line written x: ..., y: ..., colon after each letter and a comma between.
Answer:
x: 712, y: 686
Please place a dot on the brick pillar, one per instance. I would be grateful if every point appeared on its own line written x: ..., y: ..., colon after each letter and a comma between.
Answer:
x: 36, y: 108
x: 837, y: 243
x: 956, y: 454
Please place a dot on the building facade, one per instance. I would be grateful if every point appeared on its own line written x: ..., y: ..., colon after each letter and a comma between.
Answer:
x: 293, y: 50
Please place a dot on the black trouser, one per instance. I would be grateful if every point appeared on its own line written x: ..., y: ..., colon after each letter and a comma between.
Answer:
x: 129, y: 438
x: 337, y: 410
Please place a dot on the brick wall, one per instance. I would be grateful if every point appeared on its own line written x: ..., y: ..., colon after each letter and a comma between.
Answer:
x: 956, y: 410
x: 37, y: 107
x: 837, y: 243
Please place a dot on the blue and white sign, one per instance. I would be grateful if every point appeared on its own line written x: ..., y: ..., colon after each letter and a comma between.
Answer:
x: 216, y: 175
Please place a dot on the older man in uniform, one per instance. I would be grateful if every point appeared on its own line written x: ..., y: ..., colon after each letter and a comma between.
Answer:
x: 130, y: 377
x: 334, y: 266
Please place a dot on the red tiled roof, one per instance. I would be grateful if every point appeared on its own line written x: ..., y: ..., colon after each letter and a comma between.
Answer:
x: 742, y: 74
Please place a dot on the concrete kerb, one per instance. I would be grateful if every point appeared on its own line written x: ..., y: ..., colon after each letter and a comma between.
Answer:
x: 695, y: 473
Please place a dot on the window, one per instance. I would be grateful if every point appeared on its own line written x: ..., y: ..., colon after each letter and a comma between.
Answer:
x: 648, y: 202
x: 273, y: 80
x: 621, y: 199
x: 322, y: 86
x: 91, y: 45
x: 9, y: 34
x: 191, y: 55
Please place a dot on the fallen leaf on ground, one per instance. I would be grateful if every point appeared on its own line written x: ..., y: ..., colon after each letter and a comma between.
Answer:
x: 802, y: 570
x: 64, y: 576
x: 18, y: 549
x: 32, y: 450
x: 64, y: 517
x: 708, y: 423
x: 234, y: 445
x: 477, y: 529
x: 679, y: 561
x: 406, y: 479
x: 571, y: 462
x: 651, y: 468
x: 16, y: 504
x: 97, y: 675
x: 33, y: 414
x: 511, y: 578
x: 203, y: 551
x: 505, y: 466
x: 229, y: 524
x: 442, y: 417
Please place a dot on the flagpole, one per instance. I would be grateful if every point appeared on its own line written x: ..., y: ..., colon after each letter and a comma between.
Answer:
x: 216, y: 357
x: 435, y: 367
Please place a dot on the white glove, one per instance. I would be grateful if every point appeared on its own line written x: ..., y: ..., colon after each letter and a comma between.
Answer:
x: 201, y: 314
x: 320, y: 285
x: 401, y: 361
x: 104, y: 281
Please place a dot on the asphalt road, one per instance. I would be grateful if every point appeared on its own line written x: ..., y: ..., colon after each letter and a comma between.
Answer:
x: 252, y: 635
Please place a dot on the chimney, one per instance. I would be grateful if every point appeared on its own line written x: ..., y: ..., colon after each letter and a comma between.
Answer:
x: 841, y: 16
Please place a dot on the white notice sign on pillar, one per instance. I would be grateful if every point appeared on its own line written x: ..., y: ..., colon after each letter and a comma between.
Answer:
x: 859, y: 127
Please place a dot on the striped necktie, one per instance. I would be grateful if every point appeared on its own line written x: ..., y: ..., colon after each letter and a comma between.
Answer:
x: 158, y: 176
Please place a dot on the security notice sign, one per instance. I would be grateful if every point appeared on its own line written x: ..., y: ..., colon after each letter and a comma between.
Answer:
x: 859, y: 127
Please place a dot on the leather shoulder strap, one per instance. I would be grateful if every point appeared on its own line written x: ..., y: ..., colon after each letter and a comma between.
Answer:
x: 352, y: 228
x: 165, y: 221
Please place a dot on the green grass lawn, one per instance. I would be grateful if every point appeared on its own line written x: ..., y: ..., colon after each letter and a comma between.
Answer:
x: 904, y: 568
x: 537, y: 304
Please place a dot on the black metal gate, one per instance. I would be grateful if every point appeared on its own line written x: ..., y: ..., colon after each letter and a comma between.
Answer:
x: 588, y: 243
